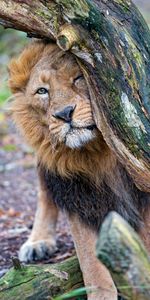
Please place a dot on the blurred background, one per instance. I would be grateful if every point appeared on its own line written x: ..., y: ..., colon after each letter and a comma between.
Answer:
x: 18, y: 179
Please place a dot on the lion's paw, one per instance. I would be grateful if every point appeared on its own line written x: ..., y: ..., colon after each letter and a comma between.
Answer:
x: 37, y: 250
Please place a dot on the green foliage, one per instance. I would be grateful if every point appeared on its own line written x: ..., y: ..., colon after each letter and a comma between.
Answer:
x: 78, y: 294
x: 11, y: 43
x: 9, y: 147
x: 4, y: 93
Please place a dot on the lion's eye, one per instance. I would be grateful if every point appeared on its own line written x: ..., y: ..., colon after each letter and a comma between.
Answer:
x: 42, y: 91
x: 78, y: 79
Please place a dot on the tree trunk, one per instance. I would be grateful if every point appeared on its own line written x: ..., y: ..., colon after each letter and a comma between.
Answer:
x: 112, y: 43
x: 39, y: 282
x: 124, y: 254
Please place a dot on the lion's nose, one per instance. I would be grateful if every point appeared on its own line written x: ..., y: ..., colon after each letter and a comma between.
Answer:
x: 65, y: 114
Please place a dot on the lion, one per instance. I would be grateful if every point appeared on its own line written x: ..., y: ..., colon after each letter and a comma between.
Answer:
x: 78, y: 172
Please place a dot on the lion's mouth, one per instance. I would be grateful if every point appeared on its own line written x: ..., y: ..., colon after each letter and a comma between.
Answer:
x: 77, y: 137
x: 89, y: 127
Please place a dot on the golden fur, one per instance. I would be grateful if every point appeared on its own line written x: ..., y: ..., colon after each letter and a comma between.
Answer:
x: 45, y: 64
x: 67, y: 148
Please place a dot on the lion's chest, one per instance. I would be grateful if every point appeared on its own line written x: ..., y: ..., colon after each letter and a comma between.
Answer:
x: 79, y: 196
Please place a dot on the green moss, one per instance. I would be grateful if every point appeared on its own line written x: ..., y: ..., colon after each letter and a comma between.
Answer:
x: 75, y: 8
x: 50, y: 16
x: 133, y: 51
x: 44, y: 14
x: 41, y: 282
x: 126, y: 120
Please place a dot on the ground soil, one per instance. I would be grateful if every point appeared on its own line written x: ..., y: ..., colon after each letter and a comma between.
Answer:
x: 18, y: 196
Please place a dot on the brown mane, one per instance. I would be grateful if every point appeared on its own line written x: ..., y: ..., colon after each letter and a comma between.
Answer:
x: 95, y: 156
x: 20, y: 68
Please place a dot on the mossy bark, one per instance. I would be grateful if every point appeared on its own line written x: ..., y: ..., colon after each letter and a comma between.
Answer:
x: 112, y: 43
x: 39, y: 282
x: 124, y: 254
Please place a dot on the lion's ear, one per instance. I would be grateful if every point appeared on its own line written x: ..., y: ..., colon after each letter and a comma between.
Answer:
x: 20, y: 68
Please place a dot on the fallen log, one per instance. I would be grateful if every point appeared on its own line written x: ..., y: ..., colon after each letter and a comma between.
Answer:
x: 112, y: 44
x: 124, y: 254
x: 39, y: 282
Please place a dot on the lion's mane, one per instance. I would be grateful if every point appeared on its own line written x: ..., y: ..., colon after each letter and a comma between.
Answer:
x: 92, y: 171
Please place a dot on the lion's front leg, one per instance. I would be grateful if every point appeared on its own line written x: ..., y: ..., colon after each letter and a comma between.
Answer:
x: 94, y: 272
x: 42, y: 240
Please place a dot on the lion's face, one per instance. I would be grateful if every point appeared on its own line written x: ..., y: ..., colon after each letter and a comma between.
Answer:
x: 59, y: 94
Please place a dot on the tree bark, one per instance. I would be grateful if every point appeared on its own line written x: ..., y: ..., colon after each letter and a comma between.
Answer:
x: 112, y: 43
x: 41, y: 281
x: 124, y: 254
